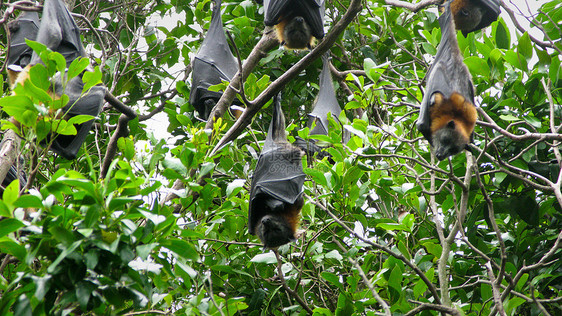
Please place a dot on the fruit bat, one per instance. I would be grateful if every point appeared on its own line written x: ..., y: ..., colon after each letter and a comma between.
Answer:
x: 448, y: 115
x: 473, y: 15
x: 326, y: 102
x: 213, y: 63
x: 276, y: 192
x: 59, y: 32
x: 296, y: 21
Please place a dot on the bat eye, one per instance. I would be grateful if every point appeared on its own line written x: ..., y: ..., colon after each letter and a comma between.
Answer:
x: 464, y: 12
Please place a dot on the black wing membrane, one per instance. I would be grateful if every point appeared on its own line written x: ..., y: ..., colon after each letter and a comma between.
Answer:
x: 325, y: 103
x: 491, y: 10
x: 445, y: 76
x: 213, y: 63
x: 311, y: 10
x: 24, y: 27
x: 60, y: 33
x: 278, y: 174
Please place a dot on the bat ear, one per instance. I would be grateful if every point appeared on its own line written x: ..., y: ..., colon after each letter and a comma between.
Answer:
x: 436, y: 98
x: 451, y: 124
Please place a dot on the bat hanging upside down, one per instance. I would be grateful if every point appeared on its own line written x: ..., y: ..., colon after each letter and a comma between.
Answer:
x: 297, y: 22
x: 276, y: 193
x: 448, y: 115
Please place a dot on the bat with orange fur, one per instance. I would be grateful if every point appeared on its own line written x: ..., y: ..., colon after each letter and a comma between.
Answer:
x: 448, y: 114
x: 276, y: 192
x: 297, y: 22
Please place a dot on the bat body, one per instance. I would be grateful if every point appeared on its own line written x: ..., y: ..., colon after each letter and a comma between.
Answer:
x: 213, y: 63
x: 297, y: 22
x: 448, y: 115
x: 276, y: 192
x: 473, y: 15
x: 59, y: 32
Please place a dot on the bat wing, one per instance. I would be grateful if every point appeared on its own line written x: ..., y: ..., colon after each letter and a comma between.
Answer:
x: 313, y: 13
x: 275, y: 10
x: 26, y: 26
x: 325, y: 103
x: 491, y: 12
x: 437, y: 82
x: 278, y: 173
x: 59, y: 32
x: 213, y: 63
x: 79, y: 103
x: 311, y: 10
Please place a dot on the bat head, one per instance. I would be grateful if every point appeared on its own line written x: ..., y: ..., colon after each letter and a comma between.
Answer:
x: 274, y: 231
x: 279, y: 223
x: 296, y: 33
x: 452, y: 123
x: 468, y: 17
x: 449, y: 140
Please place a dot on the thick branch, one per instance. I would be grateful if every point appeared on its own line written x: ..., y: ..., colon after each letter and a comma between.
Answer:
x: 121, y: 131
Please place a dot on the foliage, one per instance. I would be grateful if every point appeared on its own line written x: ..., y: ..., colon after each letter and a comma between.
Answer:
x: 385, y: 227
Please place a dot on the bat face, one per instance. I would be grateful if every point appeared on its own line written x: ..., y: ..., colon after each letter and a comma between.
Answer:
x: 473, y: 15
x: 452, y: 123
x: 277, y: 227
x: 296, y: 34
x: 448, y: 115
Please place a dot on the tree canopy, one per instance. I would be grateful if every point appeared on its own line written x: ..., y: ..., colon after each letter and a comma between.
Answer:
x: 141, y: 223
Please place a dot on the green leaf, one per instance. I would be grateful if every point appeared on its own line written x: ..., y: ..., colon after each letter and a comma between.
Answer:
x: 503, y: 39
x: 9, y: 225
x: 433, y: 248
x: 64, y: 254
x: 525, y: 47
x: 477, y: 66
x: 18, y: 107
x: 11, y: 193
x: 206, y: 168
x: 12, y: 248
x: 28, y: 201
x: 77, y: 66
x: 143, y: 251
x: 181, y: 248
x: 393, y: 226
x: 79, y: 119
x: 91, y: 78
x: 332, y: 278
x: 59, y: 60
